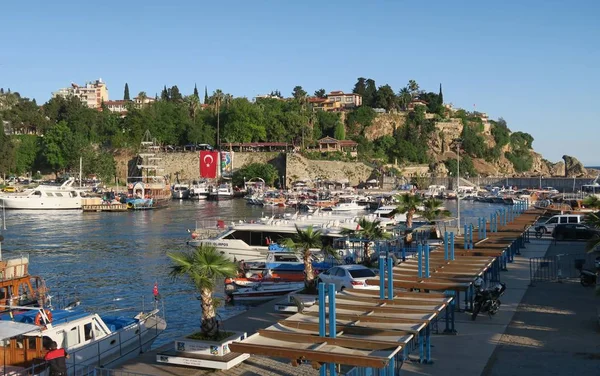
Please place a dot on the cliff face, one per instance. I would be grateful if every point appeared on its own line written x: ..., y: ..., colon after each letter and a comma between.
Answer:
x: 384, y: 125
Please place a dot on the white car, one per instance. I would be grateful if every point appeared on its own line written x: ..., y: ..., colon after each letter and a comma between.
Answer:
x: 349, y: 277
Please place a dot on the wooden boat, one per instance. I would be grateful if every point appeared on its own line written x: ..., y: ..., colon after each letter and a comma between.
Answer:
x: 18, y: 287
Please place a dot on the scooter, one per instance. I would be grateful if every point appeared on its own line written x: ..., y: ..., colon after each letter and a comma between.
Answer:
x: 587, y: 277
x: 488, y: 300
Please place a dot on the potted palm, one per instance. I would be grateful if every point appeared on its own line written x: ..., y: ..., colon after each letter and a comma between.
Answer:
x: 204, y: 267
x: 368, y: 231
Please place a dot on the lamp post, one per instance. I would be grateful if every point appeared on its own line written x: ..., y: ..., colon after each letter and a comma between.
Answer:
x: 283, y: 182
x: 458, y: 142
x: 541, y: 181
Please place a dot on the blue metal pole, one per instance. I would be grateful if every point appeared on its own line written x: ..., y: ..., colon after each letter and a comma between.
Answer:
x: 484, y: 229
x: 492, y: 222
x: 332, y: 315
x: 390, y: 276
x: 446, y: 245
x: 321, y: 309
x: 426, y: 250
x: 420, y: 259
x: 452, y: 246
x: 466, y: 237
x: 479, y: 228
x: 471, y: 236
x: 428, y: 344
x: 381, y: 277
x: 505, y: 216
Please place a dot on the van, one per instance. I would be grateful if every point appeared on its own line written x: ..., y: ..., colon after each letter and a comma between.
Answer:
x: 549, y: 225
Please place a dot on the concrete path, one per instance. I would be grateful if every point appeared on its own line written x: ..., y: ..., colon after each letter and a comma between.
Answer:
x: 467, y: 353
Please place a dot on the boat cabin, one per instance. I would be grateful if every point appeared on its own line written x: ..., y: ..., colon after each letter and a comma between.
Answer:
x: 18, y: 287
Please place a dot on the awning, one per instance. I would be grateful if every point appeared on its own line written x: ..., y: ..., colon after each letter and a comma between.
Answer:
x: 9, y: 329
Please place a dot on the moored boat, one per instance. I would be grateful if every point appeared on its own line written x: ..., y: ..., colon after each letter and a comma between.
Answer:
x: 264, y: 291
x: 45, y: 197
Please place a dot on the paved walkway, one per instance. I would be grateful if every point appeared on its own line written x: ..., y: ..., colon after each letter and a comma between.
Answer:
x: 467, y: 353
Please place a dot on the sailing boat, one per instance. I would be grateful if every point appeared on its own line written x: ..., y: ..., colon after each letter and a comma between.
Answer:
x: 149, y: 190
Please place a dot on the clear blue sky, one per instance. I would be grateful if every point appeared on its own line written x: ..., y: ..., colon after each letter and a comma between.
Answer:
x: 535, y: 63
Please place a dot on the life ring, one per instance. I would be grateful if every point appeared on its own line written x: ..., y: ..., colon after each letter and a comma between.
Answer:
x: 146, y: 185
x: 38, y: 317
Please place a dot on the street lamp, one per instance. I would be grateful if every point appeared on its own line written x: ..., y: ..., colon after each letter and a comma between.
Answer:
x: 541, y: 177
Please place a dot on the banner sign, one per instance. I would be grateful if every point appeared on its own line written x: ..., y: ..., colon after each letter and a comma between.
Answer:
x: 208, y: 164
x: 226, y: 164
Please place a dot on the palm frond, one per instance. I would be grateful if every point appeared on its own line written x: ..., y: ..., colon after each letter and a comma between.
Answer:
x: 204, y: 266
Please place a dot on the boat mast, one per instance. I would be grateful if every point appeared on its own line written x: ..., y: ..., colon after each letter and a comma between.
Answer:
x: 80, y: 170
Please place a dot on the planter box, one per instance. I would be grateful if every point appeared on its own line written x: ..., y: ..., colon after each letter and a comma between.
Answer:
x: 211, y: 348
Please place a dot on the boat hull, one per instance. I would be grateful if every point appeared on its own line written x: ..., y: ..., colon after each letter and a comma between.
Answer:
x: 29, y: 203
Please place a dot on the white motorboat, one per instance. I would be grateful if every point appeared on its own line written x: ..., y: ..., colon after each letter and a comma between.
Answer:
x: 264, y: 292
x: 90, y: 339
x: 347, y: 207
x: 180, y: 191
x: 199, y: 190
x: 45, y: 197
x: 223, y: 192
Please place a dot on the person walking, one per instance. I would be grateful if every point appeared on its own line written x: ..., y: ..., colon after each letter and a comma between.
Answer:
x: 56, y: 359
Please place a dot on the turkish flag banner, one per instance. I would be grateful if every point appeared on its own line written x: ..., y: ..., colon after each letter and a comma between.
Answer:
x: 208, y: 164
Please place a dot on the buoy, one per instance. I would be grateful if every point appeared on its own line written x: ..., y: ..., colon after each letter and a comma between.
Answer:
x: 38, y: 318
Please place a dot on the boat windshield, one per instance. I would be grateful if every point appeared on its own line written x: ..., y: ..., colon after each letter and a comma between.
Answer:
x: 362, y: 273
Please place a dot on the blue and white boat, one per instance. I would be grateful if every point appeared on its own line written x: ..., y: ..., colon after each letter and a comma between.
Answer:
x: 91, y: 340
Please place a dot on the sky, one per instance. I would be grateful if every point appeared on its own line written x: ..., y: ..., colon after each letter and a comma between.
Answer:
x: 534, y: 63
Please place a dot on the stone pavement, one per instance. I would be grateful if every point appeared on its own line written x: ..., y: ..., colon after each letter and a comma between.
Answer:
x: 467, y: 353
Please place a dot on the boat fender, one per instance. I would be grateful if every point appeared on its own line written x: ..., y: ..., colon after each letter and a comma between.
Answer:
x: 38, y: 317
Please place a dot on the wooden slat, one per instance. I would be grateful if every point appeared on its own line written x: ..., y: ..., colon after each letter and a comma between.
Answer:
x: 372, y: 318
x: 425, y: 285
x: 350, y: 343
x: 390, y: 309
x: 349, y: 329
x: 312, y: 355
x: 396, y: 301
x: 397, y: 294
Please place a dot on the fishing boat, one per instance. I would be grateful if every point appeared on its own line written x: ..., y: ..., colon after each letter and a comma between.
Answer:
x: 149, y: 190
x: 90, y: 339
x: 263, y: 291
x: 45, y: 197
x: 18, y: 287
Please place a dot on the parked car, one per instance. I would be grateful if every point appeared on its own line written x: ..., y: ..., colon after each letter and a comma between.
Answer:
x: 548, y: 226
x: 348, y: 277
x: 574, y: 232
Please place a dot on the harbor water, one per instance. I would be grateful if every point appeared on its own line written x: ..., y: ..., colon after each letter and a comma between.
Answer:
x: 110, y: 261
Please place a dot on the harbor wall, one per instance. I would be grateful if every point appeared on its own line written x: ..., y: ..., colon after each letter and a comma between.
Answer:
x: 561, y: 184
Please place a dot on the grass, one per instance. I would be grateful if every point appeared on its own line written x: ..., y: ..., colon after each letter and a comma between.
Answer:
x: 219, y: 337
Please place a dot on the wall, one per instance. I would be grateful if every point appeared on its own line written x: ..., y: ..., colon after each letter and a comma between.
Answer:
x: 561, y: 184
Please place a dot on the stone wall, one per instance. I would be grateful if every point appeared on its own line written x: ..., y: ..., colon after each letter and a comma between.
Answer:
x: 298, y: 167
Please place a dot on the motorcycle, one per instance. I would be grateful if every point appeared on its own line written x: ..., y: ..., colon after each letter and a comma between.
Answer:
x: 587, y: 277
x: 487, y: 300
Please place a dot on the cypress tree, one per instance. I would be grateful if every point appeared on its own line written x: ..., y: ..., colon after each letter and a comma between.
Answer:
x: 164, y: 95
x: 205, y: 95
x: 126, y: 93
x: 196, y: 91
x: 441, y: 97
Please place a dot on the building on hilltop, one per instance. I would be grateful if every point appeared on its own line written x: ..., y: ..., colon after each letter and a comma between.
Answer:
x: 416, y: 102
x: 336, y: 101
x: 121, y: 105
x: 267, y: 96
x: 330, y: 144
x: 92, y: 93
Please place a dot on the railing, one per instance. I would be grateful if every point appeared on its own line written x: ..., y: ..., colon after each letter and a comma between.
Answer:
x: 555, y: 268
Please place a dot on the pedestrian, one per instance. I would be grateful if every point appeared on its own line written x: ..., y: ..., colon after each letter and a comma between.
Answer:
x: 56, y: 358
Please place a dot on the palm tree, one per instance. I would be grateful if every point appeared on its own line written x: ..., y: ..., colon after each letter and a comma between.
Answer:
x: 413, y: 87
x: 302, y: 242
x: 194, y: 105
x: 216, y: 99
x: 408, y: 204
x: 432, y: 210
x: 592, y: 202
x: 204, y: 267
x: 368, y: 232
x: 404, y: 98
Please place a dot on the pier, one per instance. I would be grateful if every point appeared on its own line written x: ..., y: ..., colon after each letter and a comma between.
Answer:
x: 369, y: 331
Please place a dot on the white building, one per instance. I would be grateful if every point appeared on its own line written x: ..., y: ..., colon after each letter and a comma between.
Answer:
x: 92, y: 94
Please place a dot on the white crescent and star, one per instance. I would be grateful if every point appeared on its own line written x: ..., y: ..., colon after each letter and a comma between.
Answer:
x: 211, y: 160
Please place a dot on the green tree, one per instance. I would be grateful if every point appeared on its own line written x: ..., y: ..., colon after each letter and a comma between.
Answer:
x: 385, y: 98
x: 340, y: 132
x: 369, y: 232
x: 298, y: 93
x: 204, y: 267
x: 408, y: 204
x: 196, y: 93
x: 413, y: 88
x: 264, y: 171
x: 404, y: 98
x: 359, y: 119
x: 320, y: 93
x: 7, y: 153
x: 327, y: 123
x: 57, y: 142
x: 360, y: 87
x: 126, y: 93
x: 175, y: 94
x: 441, y: 96
x: 302, y: 242
x: 26, y: 152
x: 164, y: 94
x: 205, y: 95
x: 370, y: 93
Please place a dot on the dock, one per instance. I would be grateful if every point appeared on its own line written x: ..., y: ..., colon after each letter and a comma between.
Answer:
x: 104, y: 208
x: 367, y: 330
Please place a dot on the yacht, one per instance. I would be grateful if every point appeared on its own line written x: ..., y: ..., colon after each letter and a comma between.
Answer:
x: 199, y: 190
x: 223, y: 192
x: 181, y: 191
x: 388, y: 215
x: 45, y: 197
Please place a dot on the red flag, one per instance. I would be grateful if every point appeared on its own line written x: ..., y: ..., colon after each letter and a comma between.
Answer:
x: 208, y: 164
